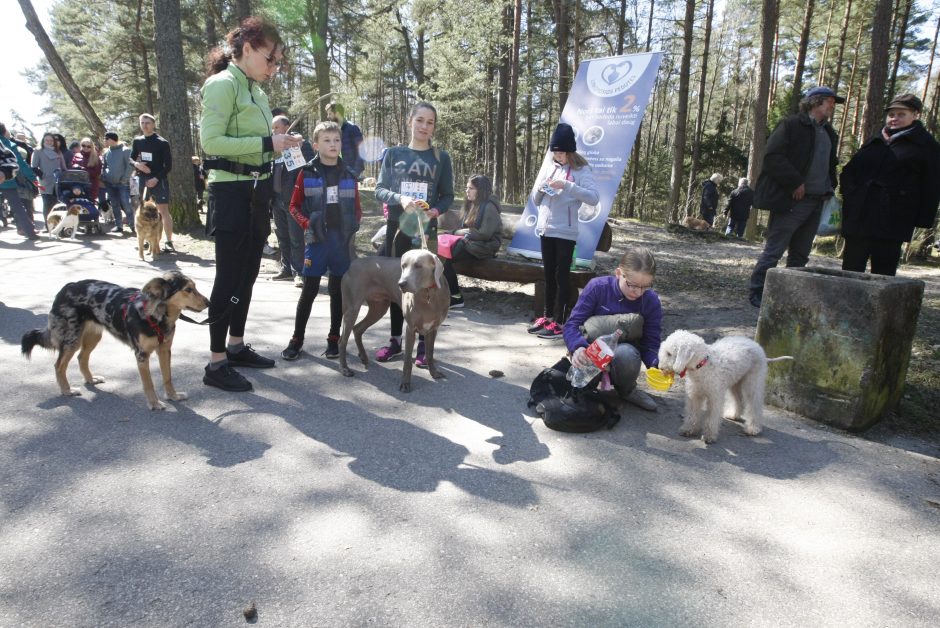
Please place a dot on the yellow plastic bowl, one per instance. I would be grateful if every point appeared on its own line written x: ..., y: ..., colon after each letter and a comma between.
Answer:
x: 658, y: 380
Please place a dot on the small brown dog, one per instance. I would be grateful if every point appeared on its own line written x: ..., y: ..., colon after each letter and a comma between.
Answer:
x: 149, y: 227
x: 695, y: 224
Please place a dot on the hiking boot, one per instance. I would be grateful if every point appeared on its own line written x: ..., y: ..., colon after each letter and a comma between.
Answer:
x: 456, y: 301
x: 332, y: 347
x: 168, y: 247
x: 385, y: 353
x: 641, y: 400
x: 551, y: 331
x: 421, y: 360
x: 226, y: 378
x: 292, y: 352
x: 538, y: 325
x: 248, y: 357
x: 284, y: 275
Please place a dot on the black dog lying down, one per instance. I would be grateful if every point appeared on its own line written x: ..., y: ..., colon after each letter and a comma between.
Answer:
x: 143, y: 319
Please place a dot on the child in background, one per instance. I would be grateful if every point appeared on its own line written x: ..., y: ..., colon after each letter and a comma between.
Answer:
x: 602, y: 307
x: 326, y: 205
x: 480, y: 225
x: 564, y: 186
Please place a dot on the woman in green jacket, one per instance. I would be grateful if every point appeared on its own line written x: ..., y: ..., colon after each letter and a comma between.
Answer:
x: 235, y: 131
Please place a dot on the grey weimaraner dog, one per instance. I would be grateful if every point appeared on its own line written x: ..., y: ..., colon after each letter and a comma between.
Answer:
x: 415, y: 283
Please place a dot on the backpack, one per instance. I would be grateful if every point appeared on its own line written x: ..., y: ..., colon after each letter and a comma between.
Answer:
x: 567, y: 409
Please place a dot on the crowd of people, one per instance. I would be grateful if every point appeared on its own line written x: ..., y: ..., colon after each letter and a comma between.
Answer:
x: 889, y: 187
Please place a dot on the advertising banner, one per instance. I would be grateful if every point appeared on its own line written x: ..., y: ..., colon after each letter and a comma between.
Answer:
x: 605, y: 107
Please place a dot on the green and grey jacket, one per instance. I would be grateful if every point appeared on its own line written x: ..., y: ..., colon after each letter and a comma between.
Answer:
x: 235, y: 122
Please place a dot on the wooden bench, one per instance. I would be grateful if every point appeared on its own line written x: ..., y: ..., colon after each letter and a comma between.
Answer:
x: 519, y: 270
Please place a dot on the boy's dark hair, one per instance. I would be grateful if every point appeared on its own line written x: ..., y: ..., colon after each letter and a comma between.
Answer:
x: 111, y: 135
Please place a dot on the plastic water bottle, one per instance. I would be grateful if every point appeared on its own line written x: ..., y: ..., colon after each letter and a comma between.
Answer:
x: 600, y: 353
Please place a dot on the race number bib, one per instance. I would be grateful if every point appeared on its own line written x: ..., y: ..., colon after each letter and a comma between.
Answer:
x: 332, y: 194
x: 146, y: 156
x: 414, y: 189
x: 293, y: 158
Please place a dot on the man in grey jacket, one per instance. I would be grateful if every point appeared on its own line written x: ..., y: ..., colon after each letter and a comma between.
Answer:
x: 116, y: 176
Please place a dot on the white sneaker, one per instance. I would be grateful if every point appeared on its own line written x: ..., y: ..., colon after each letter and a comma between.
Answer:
x: 298, y: 281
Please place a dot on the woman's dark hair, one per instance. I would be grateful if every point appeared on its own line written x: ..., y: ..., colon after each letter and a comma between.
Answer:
x: 42, y: 142
x: 60, y: 144
x: 484, y: 188
x: 253, y: 30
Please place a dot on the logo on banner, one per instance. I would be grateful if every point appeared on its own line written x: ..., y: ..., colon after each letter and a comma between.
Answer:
x: 610, y: 77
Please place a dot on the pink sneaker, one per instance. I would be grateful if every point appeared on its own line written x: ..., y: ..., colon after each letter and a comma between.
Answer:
x: 420, y: 360
x: 386, y: 353
x: 538, y: 325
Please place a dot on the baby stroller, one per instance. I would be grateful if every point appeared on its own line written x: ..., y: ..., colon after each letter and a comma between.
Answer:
x: 73, y: 187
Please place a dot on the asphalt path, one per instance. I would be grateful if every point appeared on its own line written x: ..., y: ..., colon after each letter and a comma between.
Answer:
x: 338, y: 501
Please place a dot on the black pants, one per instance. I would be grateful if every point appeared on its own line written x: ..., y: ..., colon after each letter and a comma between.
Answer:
x: 305, y: 304
x: 884, y: 255
x: 556, y: 259
x: 242, y: 228
x: 450, y: 274
x: 396, y: 244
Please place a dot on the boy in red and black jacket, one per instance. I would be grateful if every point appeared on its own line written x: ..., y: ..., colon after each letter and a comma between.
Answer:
x: 326, y: 205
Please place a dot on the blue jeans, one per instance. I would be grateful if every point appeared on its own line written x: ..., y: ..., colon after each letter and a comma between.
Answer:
x: 120, y: 198
x: 22, y: 212
x: 792, y: 231
x: 290, y: 236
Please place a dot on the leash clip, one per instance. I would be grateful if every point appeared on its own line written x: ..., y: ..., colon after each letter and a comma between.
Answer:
x: 254, y: 175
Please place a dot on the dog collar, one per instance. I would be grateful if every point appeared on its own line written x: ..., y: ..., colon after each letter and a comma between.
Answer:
x: 153, y: 325
x: 697, y: 366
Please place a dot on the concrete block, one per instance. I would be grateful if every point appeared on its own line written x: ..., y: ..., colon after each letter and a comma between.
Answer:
x: 851, y: 334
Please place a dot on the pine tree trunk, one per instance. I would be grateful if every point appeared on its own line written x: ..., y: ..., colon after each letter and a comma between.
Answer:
x: 561, y: 16
x: 759, y: 132
x: 141, y: 46
x: 242, y: 9
x: 502, y: 104
x: 682, y: 112
x: 318, y: 22
x: 511, y: 190
x: 933, y: 53
x: 899, y: 48
x: 700, y: 114
x: 174, y: 110
x: 878, y: 70
x: 801, y: 58
x: 842, y: 35
x: 34, y: 26
x: 825, y: 53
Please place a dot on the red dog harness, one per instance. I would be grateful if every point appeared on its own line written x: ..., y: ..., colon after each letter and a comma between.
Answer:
x: 697, y: 366
x: 153, y: 325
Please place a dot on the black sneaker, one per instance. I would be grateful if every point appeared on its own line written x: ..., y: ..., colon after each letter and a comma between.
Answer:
x: 332, y: 347
x: 456, y: 301
x: 284, y: 275
x: 226, y: 378
x: 168, y: 247
x: 248, y: 357
x: 292, y: 352
x: 755, y: 299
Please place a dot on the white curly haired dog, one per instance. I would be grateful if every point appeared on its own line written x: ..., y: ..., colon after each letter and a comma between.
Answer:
x: 728, y: 375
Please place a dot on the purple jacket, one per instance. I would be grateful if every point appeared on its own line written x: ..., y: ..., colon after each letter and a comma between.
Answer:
x: 602, y: 296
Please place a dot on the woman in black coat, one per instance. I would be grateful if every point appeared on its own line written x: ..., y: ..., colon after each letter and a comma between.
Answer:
x: 889, y: 187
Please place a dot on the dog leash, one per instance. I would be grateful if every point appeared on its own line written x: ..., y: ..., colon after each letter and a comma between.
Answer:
x: 212, y: 319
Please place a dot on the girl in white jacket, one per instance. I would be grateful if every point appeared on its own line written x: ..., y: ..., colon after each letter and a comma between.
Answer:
x: 565, y: 187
